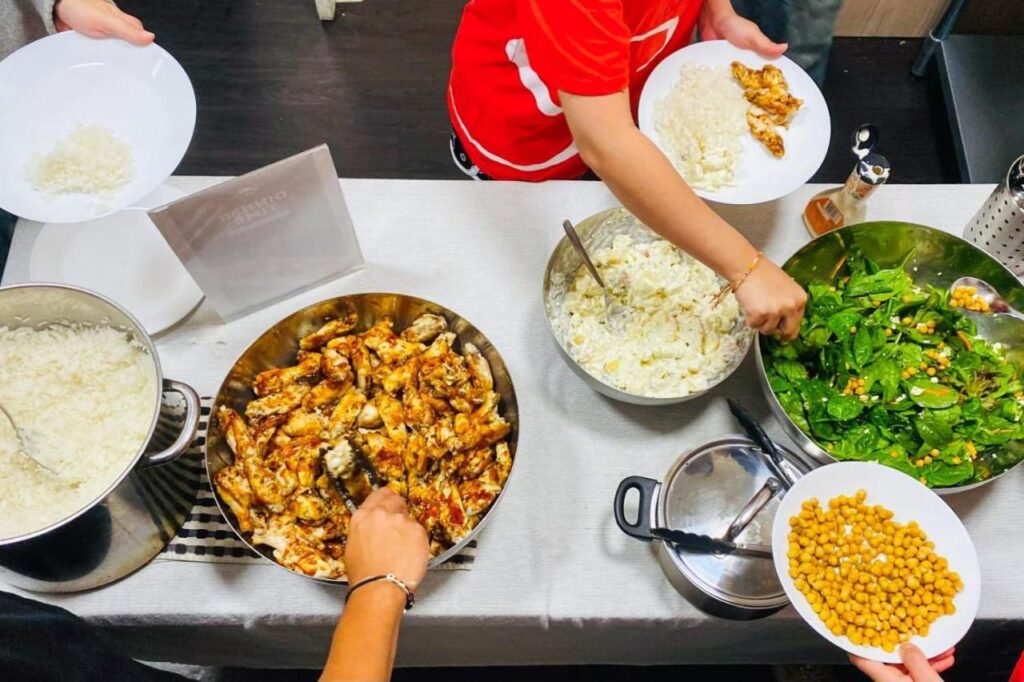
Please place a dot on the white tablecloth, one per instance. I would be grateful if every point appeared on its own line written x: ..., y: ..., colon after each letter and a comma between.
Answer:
x: 555, y: 580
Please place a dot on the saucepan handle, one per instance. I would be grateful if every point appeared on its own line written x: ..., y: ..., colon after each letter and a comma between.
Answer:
x: 648, y: 490
x: 753, y: 507
x: 188, y: 427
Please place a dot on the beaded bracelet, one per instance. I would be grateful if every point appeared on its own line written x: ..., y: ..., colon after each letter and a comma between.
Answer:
x: 732, y: 287
x: 410, y: 598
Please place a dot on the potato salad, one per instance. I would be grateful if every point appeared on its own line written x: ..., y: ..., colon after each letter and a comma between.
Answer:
x: 675, y: 340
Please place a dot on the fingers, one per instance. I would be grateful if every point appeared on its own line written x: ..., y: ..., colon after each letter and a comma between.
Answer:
x: 124, y: 26
x: 789, y: 327
x: 943, y: 664
x: 876, y: 670
x: 770, y: 324
x: 766, y: 48
x: 917, y: 665
x: 386, y: 499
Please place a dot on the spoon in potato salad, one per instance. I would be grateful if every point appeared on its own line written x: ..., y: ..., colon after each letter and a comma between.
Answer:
x: 675, y: 341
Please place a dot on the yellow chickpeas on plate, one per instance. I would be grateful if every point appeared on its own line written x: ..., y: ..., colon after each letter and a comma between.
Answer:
x: 871, y: 560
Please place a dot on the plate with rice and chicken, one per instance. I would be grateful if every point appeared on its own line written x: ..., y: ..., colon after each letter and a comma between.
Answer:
x: 739, y: 128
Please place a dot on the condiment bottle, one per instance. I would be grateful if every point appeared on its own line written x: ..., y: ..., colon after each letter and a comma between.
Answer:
x: 847, y: 205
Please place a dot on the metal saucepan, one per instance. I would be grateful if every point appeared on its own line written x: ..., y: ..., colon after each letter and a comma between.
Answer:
x: 597, y: 232
x: 938, y: 259
x: 132, y: 520
x: 277, y: 347
x: 725, y: 490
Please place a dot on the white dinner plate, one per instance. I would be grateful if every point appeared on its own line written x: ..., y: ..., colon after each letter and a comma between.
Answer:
x: 52, y: 85
x: 759, y: 176
x: 909, y: 500
x: 124, y: 257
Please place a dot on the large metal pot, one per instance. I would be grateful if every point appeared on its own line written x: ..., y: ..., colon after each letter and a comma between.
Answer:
x: 938, y: 259
x: 135, y: 516
x: 596, y: 232
x: 277, y: 347
x: 725, y: 490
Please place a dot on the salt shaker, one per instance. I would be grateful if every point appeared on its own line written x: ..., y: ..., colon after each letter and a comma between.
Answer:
x: 998, y: 227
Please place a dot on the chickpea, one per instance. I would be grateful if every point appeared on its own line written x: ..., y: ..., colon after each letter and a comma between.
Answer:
x: 871, y: 579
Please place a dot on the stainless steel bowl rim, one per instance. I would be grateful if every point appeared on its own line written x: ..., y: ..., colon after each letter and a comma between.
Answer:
x: 803, y: 440
x: 142, y: 336
x: 596, y: 382
x: 229, y: 516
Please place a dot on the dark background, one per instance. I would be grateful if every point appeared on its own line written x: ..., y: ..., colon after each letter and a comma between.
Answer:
x: 272, y: 80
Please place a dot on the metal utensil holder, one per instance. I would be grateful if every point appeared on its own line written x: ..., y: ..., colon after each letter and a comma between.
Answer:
x: 998, y: 227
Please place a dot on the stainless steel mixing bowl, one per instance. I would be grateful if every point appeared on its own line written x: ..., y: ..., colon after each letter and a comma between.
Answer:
x: 277, y: 346
x: 938, y: 259
x: 597, y: 232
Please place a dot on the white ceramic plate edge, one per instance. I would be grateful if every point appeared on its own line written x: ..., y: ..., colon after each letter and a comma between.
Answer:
x: 759, y: 176
x: 931, y: 513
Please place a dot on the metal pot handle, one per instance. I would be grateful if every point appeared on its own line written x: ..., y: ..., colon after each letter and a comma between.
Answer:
x: 753, y: 507
x: 648, y: 489
x: 188, y: 429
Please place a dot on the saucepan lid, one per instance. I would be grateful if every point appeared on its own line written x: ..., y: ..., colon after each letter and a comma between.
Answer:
x: 725, y: 490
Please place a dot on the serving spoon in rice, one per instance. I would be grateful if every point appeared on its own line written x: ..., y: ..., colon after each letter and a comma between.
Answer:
x: 23, y: 441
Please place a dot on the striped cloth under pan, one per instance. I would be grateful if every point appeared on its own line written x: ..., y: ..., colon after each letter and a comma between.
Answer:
x: 205, y: 536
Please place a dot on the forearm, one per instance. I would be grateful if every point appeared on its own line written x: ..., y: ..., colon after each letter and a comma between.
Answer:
x: 647, y: 184
x: 364, y: 643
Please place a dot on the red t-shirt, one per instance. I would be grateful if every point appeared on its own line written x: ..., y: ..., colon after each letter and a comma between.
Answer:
x: 511, y: 57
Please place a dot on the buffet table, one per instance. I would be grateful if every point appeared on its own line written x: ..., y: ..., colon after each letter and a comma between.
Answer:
x: 554, y: 580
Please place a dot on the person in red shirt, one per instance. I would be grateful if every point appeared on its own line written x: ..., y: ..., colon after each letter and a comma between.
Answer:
x: 544, y: 89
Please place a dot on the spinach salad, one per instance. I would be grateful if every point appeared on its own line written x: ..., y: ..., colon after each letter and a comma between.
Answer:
x: 887, y: 370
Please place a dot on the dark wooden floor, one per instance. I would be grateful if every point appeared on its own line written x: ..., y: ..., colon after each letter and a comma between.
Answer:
x: 271, y: 80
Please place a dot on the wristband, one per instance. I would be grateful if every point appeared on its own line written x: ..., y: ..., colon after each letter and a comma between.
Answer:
x: 410, y: 598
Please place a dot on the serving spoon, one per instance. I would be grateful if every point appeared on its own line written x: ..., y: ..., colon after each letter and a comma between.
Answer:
x: 986, y: 292
x: 614, y: 312
x: 23, y: 441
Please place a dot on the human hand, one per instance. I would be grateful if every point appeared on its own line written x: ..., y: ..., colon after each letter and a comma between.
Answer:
x: 99, y: 19
x: 772, y: 301
x: 915, y: 668
x: 719, y: 21
x: 383, y: 538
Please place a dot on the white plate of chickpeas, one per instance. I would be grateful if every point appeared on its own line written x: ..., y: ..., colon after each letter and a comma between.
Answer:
x: 871, y: 558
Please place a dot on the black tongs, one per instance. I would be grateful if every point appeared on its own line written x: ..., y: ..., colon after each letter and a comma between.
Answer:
x: 761, y: 438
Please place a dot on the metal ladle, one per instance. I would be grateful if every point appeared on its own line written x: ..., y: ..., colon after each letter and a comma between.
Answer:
x: 985, y: 291
x: 23, y: 441
x: 614, y: 312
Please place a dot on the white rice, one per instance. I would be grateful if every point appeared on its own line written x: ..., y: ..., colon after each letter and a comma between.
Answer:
x: 702, y: 121
x: 90, y: 160
x: 85, y: 395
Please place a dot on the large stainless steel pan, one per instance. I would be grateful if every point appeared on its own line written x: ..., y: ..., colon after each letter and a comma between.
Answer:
x: 277, y: 347
x: 939, y: 259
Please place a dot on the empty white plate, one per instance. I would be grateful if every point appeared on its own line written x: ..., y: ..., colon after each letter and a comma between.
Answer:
x: 50, y: 86
x: 759, y: 176
x: 124, y: 257
x: 909, y: 500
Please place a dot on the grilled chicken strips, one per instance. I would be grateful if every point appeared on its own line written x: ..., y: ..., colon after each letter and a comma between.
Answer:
x: 773, y: 105
x: 359, y: 410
